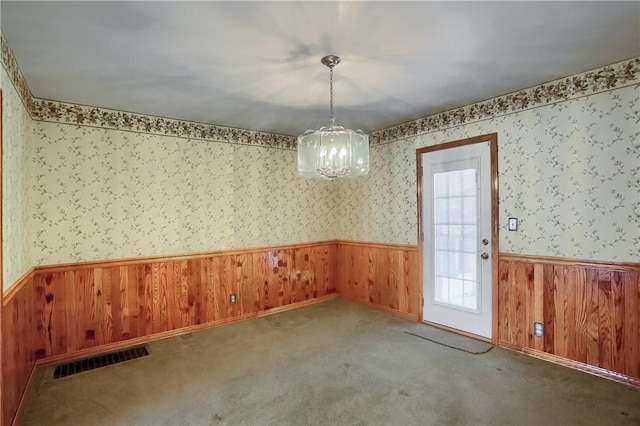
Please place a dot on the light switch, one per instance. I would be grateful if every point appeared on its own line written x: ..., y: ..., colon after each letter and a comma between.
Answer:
x: 513, y: 224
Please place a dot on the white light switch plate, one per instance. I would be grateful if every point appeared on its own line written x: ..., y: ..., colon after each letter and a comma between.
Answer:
x: 513, y: 224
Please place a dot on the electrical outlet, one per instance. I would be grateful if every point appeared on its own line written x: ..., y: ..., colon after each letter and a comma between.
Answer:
x: 232, y: 299
x: 513, y: 224
x: 538, y: 329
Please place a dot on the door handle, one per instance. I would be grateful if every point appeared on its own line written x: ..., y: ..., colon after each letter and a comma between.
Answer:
x: 484, y: 255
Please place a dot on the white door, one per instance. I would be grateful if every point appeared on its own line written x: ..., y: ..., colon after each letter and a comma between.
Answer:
x: 456, y: 209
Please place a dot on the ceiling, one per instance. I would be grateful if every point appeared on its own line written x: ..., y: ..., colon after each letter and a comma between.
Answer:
x: 256, y: 65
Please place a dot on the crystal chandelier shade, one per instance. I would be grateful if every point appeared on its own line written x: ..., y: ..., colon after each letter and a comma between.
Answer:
x: 332, y: 151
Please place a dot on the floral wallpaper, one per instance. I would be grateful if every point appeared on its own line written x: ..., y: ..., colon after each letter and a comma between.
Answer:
x: 381, y: 207
x: 16, y: 152
x: 569, y: 171
x: 102, y: 194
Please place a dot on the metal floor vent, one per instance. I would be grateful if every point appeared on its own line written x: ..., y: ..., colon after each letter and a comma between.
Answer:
x: 76, y: 367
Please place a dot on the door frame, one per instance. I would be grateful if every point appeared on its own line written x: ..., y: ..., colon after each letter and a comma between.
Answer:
x: 492, y: 139
x: 1, y: 266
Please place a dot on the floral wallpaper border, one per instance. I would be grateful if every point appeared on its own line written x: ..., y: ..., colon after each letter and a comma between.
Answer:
x: 53, y: 111
x: 591, y: 82
x: 598, y: 80
x: 61, y: 112
x: 13, y: 71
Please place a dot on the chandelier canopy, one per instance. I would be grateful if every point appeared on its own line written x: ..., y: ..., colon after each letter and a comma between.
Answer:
x: 332, y: 151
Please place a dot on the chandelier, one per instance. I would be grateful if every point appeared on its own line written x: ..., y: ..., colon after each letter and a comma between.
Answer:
x: 332, y: 151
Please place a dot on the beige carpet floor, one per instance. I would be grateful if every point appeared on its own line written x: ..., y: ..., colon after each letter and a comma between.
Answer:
x: 331, y: 363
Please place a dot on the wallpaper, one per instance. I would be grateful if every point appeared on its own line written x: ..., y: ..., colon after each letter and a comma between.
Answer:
x: 86, y: 183
x: 103, y: 194
x: 569, y: 171
x: 16, y: 152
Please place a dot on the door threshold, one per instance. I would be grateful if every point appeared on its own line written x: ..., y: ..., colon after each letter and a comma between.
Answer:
x: 460, y: 332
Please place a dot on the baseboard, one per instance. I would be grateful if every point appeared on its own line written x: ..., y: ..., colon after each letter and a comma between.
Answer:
x: 146, y: 339
x: 116, y: 346
x: 412, y: 253
x: 576, y: 365
x: 386, y: 309
x: 25, y: 394
x: 111, y: 347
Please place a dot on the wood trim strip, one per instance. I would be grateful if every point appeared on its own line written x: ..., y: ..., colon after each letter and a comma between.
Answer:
x: 454, y: 144
x: 8, y: 295
x: 63, y: 267
x: 1, y: 273
x: 576, y: 365
x: 110, y: 347
x: 420, y: 236
x: 17, y: 286
x: 395, y: 246
x: 495, y: 232
x: 567, y: 261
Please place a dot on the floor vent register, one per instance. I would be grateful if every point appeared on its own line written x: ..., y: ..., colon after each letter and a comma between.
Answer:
x: 76, y: 367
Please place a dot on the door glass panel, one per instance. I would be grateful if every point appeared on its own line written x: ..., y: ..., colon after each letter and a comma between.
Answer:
x: 455, y: 209
x: 456, y: 240
x: 469, y: 182
x: 469, y: 209
x: 440, y: 210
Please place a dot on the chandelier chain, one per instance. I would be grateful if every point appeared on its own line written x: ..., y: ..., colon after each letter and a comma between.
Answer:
x: 332, y: 116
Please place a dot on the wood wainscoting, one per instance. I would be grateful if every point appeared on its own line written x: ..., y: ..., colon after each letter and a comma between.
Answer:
x: 590, y: 311
x: 20, y: 344
x: 63, y: 312
x: 384, y: 276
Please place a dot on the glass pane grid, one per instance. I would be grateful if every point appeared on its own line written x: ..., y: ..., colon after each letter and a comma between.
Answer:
x: 454, y: 204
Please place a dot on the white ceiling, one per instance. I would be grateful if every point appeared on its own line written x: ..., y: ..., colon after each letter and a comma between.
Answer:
x: 256, y: 65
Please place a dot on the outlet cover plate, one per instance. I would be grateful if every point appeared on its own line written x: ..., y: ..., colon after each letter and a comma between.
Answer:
x: 513, y: 224
x: 538, y: 329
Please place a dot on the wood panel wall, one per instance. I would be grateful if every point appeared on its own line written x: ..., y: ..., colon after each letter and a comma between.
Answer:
x: 68, y: 310
x: 590, y: 310
x: 20, y: 346
x: 385, y: 276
